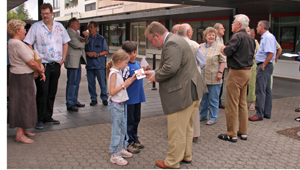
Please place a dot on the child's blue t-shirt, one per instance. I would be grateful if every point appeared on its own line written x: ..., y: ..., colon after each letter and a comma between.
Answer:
x: 135, y: 91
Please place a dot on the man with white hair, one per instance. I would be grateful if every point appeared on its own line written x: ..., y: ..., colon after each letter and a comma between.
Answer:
x: 175, y: 28
x: 220, y: 33
x: 265, y: 55
x: 240, y: 52
x: 186, y: 32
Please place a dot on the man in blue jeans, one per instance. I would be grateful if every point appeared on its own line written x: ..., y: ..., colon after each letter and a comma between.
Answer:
x: 96, y: 50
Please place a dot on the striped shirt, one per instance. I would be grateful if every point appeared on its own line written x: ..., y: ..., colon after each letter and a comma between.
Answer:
x: 214, y: 57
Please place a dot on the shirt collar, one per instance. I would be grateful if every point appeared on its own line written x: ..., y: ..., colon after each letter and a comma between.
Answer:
x: 166, y: 37
x: 208, y: 46
x: 265, y: 34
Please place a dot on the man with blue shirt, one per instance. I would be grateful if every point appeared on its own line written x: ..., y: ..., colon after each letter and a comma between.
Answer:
x: 50, y: 40
x: 96, y: 50
x: 265, y: 55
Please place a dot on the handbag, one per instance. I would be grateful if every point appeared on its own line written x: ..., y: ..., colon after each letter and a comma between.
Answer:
x: 37, y: 59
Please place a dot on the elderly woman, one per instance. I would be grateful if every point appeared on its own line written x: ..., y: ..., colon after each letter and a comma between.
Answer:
x: 212, y: 72
x: 251, y: 86
x: 22, y: 104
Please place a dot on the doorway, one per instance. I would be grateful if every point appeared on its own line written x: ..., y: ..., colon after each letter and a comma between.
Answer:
x: 138, y: 36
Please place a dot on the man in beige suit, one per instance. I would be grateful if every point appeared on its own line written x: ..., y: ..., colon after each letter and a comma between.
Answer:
x: 72, y: 64
x: 180, y: 87
x: 186, y: 32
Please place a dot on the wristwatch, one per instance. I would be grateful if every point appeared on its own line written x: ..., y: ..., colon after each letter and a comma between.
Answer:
x: 262, y: 66
x: 123, y: 86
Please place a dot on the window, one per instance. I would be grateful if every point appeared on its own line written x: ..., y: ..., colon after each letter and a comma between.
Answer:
x: 90, y: 7
x: 56, y: 14
x: 55, y: 4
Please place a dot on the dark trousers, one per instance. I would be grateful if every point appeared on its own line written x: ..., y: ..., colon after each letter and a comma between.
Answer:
x: 74, y: 77
x: 221, y: 91
x: 133, y: 120
x: 46, y: 91
x: 263, y: 92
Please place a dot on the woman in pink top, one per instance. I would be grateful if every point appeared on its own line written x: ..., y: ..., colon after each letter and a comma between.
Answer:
x: 22, y: 104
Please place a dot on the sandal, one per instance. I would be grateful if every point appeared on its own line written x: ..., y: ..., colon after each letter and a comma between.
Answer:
x: 252, y: 106
x: 227, y: 138
x: 27, y: 133
x: 28, y: 141
x: 297, y: 119
x: 243, y: 137
x: 297, y: 110
x: 211, y: 122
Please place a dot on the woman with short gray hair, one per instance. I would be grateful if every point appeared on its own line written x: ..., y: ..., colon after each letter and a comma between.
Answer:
x: 22, y: 104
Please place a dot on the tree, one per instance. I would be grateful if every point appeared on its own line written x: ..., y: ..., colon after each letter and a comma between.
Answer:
x: 19, y: 13
x: 12, y: 15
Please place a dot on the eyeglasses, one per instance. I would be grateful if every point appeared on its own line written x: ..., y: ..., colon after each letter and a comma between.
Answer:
x: 42, y: 14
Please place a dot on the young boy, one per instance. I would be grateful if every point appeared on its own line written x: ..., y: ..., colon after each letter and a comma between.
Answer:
x: 136, y: 96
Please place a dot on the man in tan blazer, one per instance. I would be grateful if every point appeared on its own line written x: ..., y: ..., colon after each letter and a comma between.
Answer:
x: 180, y: 87
x: 72, y: 64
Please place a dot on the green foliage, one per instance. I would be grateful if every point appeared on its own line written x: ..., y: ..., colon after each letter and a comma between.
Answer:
x: 12, y: 15
x: 19, y: 13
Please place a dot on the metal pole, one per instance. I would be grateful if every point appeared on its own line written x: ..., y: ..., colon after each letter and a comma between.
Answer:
x: 154, y: 63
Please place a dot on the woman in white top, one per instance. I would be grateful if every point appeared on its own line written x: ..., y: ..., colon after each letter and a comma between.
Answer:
x: 117, y: 108
x: 22, y: 104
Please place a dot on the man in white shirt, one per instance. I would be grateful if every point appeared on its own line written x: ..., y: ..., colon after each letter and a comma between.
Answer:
x: 50, y: 40
x: 220, y: 33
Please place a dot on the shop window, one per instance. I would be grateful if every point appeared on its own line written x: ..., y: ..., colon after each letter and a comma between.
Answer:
x: 115, y: 34
x: 287, y: 33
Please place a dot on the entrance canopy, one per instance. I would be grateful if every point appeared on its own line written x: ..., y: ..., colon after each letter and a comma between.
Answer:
x: 248, y: 7
x: 14, y: 3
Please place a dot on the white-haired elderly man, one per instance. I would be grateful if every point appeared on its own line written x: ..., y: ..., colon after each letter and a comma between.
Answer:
x: 186, y: 32
x: 240, y: 52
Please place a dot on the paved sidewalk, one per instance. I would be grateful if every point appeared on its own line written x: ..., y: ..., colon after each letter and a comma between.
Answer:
x: 82, y: 139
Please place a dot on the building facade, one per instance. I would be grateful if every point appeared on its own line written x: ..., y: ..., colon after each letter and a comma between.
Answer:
x: 123, y: 20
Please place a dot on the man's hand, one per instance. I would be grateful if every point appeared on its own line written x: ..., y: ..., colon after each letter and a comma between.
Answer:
x: 148, y: 73
x: 85, y: 33
x: 263, y: 68
x: 61, y: 62
x: 152, y: 78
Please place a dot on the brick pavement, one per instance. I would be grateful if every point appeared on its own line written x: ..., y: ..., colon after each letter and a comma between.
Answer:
x: 82, y: 139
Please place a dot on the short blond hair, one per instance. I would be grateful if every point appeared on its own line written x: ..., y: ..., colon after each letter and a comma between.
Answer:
x: 13, y: 25
x: 155, y: 27
x: 209, y: 30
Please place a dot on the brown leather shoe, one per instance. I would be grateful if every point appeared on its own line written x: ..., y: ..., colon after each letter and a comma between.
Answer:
x: 255, y: 118
x: 162, y: 165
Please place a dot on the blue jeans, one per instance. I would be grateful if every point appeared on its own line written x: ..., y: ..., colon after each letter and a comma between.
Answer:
x: 74, y: 77
x: 100, y: 74
x: 211, y: 100
x: 118, y: 115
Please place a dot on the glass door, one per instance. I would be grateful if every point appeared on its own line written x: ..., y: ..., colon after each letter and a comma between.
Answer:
x: 138, y: 36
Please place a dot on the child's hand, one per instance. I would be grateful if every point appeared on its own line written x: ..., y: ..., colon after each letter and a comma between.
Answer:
x: 148, y: 67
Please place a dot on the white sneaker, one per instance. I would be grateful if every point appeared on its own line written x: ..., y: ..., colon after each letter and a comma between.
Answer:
x: 125, y: 154
x: 118, y: 160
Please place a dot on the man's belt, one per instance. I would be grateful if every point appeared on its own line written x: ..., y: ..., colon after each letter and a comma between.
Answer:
x: 261, y: 63
x: 243, y: 68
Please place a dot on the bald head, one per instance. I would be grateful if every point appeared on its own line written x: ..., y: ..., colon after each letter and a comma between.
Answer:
x: 175, y: 28
x: 186, y: 30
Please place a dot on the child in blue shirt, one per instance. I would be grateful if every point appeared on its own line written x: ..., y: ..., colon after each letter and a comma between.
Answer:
x: 136, y: 96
